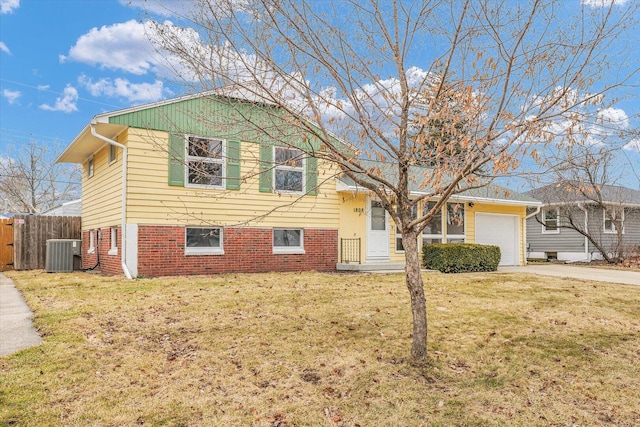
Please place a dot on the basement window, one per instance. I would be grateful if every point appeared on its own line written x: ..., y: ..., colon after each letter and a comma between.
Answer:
x: 114, y: 242
x: 203, y: 241
x: 92, y: 242
x: 288, y: 241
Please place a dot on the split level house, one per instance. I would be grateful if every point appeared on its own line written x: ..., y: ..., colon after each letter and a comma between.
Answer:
x: 184, y: 187
x: 552, y: 231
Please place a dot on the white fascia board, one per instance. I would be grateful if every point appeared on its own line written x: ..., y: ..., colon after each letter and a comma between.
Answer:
x: 591, y: 202
x: 342, y: 187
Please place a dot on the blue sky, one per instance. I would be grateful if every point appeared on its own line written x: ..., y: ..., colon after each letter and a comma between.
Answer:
x: 64, y: 61
x: 49, y: 90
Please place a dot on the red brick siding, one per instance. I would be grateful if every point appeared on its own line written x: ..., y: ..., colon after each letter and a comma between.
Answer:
x: 250, y: 250
x: 109, y: 264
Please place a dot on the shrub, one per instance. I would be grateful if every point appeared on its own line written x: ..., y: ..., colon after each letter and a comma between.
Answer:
x: 460, y: 257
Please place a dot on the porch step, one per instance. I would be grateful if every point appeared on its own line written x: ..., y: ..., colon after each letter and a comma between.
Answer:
x: 372, y: 266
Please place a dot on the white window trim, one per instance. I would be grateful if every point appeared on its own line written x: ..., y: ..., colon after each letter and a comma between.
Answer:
x: 222, y: 161
x: 446, y: 236
x: 544, y: 221
x: 91, y: 167
x: 112, y: 150
x: 613, y: 226
x: 114, y: 242
x: 289, y: 249
x: 190, y: 251
x: 443, y: 226
x: 92, y: 242
x: 302, y: 169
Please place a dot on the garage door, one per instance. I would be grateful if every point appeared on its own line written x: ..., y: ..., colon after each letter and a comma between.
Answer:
x: 502, y: 231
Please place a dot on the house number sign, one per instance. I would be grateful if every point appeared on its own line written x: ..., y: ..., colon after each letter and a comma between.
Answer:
x: 358, y: 210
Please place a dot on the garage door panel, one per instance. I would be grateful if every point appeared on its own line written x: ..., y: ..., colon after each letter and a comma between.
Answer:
x: 501, y: 231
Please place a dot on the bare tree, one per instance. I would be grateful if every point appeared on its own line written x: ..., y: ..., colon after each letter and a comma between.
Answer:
x: 500, y: 72
x: 30, y: 182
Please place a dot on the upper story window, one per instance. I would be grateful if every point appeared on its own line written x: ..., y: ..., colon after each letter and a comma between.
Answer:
x: 205, y: 161
x: 551, y: 221
x: 113, y: 153
x: 609, y: 220
x: 289, y: 172
x: 455, y: 223
x: 90, y: 167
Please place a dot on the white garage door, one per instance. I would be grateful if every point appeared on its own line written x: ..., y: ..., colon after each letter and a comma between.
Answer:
x: 502, y: 231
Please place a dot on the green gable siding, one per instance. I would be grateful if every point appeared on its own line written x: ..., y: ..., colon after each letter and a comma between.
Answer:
x: 222, y: 118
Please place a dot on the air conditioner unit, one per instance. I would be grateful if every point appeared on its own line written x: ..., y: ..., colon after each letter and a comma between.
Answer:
x: 60, y: 254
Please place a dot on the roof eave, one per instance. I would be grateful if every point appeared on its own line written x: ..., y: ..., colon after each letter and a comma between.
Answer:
x: 85, y: 145
x: 346, y: 188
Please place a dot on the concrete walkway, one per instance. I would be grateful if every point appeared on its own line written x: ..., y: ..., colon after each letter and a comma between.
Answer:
x: 575, y: 272
x: 16, y: 329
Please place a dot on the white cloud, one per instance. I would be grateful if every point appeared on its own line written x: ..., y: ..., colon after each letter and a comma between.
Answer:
x: 4, y: 48
x: 603, y: 3
x: 613, y: 117
x: 122, y: 88
x: 43, y: 87
x: 158, y: 7
x: 65, y: 103
x: 11, y: 95
x: 124, y: 46
x: 633, y: 145
x: 8, y: 6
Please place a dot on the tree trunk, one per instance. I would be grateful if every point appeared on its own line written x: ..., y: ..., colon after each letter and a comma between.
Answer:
x: 416, y: 290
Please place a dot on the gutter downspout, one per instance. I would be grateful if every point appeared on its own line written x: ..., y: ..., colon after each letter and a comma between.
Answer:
x: 124, y: 195
x: 524, y: 228
x: 586, y: 227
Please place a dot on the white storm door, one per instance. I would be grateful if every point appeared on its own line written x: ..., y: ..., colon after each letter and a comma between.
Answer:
x: 377, y: 231
x: 502, y: 231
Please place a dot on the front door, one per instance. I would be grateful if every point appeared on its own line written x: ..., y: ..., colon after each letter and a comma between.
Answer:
x: 377, y: 232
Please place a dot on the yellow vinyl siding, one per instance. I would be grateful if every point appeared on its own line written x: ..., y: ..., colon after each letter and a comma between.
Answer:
x: 353, y: 224
x: 150, y: 200
x: 102, y: 193
x: 353, y: 219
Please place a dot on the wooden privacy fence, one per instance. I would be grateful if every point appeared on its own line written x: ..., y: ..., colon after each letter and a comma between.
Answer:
x: 6, y: 244
x: 30, y: 235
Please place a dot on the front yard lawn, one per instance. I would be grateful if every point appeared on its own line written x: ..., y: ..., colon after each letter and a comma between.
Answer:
x: 318, y: 349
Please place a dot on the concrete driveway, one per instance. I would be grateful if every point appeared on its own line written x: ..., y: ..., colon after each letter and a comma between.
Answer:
x: 575, y: 272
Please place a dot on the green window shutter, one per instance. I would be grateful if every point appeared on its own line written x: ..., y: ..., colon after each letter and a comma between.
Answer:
x: 312, y: 176
x: 176, y: 160
x: 233, y: 165
x: 266, y: 169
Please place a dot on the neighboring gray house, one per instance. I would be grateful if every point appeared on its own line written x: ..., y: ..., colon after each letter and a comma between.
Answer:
x: 72, y: 208
x: 552, y: 231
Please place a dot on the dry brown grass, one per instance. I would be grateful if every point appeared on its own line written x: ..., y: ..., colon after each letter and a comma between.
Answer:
x: 324, y: 350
